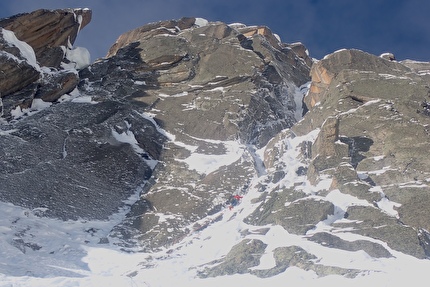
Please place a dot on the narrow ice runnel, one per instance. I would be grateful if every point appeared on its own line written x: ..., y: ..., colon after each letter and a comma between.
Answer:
x: 258, y: 159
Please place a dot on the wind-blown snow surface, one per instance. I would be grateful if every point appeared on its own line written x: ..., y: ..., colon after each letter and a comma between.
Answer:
x: 36, y: 251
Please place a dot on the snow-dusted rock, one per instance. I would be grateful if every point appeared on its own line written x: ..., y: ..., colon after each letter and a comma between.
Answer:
x: 174, y: 88
x: 383, y: 124
x: 54, y: 85
x: 388, y: 56
x: 47, y: 30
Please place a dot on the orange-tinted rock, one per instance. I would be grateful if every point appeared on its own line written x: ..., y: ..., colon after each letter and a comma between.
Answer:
x: 15, y: 72
x: 326, y: 69
x: 46, y: 30
x: 261, y: 30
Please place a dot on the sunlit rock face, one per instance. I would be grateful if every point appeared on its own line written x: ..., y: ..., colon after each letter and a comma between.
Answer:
x: 220, y: 91
x: 183, y: 115
x: 380, y: 109
x: 187, y: 116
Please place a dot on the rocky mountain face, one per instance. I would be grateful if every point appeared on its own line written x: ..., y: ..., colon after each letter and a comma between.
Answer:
x: 187, y: 113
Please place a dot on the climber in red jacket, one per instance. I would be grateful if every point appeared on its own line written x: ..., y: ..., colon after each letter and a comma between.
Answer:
x: 234, y: 201
x: 238, y: 197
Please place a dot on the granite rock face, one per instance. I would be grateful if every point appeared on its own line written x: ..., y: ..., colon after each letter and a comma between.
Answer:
x: 182, y: 115
x: 380, y: 109
x: 220, y: 94
x: 214, y: 90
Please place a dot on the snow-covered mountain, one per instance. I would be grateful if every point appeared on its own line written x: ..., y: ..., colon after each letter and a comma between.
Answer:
x: 201, y: 153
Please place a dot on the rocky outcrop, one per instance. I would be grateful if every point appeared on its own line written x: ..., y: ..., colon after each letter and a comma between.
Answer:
x: 46, y: 31
x: 325, y: 70
x: 54, y: 85
x: 239, y: 260
x: 378, y: 106
x: 327, y: 149
x: 357, y: 164
x: 294, y: 256
x: 149, y: 30
x: 35, y: 57
x: 303, y: 214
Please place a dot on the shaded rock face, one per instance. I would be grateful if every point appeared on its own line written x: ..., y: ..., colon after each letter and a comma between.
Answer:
x: 239, y: 260
x: 183, y: 114
x: 67, y: 160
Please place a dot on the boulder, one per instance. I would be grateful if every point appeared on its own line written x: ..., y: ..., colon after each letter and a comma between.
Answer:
x: 326, y: 69
x: 294, y: 212
x: 376, y: 224
x: 294, y: 256
x: 54, y: 85
x: 29, y: 41
x: 239, y: 260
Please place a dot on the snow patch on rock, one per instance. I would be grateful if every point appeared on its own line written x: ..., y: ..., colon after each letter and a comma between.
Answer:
x: 25, y: 49
x: 201, y: 22
x: 79, y: 58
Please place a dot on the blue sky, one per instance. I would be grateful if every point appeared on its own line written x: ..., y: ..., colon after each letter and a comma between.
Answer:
x: 324, y: 26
